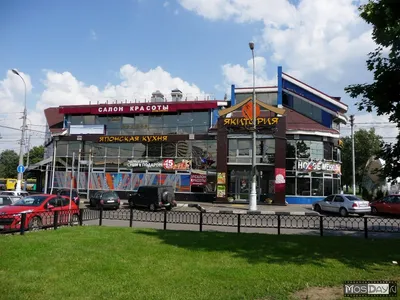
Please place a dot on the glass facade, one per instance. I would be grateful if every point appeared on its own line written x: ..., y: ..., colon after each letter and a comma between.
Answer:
x: 267, y: 98
x: 312, y: 168
x: 307, y: 109
x: 126, y: 166
x: 240, y: 151
x: 148, y: 124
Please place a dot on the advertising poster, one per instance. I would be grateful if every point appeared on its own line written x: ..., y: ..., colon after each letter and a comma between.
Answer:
x: 221, y: 178
x: 198, y: 179
x: 280, y: 180
x: 221, y: 191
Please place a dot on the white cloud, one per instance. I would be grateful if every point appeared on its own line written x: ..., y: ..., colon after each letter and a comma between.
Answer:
x: 243, y: 76
x: 313, y: 38
x: 65, y: 89
x: 93, y: 35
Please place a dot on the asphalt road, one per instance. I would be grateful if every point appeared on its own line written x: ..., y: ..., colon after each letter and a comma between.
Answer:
x: 189, y: 219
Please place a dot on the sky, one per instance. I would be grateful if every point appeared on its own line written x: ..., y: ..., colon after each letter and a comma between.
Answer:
x: 71, y: 52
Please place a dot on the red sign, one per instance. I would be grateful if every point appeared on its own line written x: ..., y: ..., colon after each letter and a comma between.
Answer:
x: 280, y: 180
x: 198, y: 179
x: 140, y: 108
x: 170, y: 164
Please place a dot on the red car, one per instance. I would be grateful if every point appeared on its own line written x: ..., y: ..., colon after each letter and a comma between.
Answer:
x: 39, y: 211
x: 387, y: 205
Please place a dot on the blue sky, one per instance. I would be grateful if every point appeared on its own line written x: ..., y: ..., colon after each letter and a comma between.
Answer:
x: 80, y: 51
x: 57, y: 35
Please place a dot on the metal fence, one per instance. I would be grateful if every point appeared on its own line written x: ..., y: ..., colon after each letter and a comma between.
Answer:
x: 20, y: 223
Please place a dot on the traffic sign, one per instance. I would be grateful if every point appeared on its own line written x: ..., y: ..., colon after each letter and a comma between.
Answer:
x: 20, y: 169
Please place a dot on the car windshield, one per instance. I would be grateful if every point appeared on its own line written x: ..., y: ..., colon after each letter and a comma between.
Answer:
x: 354, y: 198
x: 30, y: 201
x: 110, y: 195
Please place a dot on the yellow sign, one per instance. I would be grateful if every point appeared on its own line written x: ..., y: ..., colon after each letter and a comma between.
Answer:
x: 233, y: 122
x: 133, y: 139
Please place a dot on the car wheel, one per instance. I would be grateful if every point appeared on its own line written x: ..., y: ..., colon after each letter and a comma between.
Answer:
x: 152, y: 207
x: 74, y: 220
x: 374, y: 211
x: 35, y: 224
x: 317, y: 208
x: 169, y: 207
x: 343, y: 212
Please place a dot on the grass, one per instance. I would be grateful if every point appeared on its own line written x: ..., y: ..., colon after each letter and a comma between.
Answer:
x: 123, y: 263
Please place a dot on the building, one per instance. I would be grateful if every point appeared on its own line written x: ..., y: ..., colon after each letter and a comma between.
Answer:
x: 202, y: 147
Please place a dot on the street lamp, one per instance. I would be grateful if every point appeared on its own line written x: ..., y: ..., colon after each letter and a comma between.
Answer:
x: 253, y: 192
x: 21, y: 146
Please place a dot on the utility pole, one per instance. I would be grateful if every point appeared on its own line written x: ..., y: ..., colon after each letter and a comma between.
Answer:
x: 253, y: 191
x: 353, y: 157
x: 21, y: 146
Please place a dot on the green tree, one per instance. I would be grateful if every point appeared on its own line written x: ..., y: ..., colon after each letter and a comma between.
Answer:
x: 8, y: 164
x: 383, y: 94
x: 367, y: 144
x: 35, y: 155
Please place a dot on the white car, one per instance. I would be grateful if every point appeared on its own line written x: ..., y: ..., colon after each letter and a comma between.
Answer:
x: 15, y: 193
x: 5, y: 200
x: 343, y: 204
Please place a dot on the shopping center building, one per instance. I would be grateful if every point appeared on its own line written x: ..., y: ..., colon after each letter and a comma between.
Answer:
x: 202, y: 147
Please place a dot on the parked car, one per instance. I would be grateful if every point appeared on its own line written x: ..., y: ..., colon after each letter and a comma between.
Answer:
x: 39, y: 211
x: 15, y: 193
x: 387, y: 205
x: 5, y: 200
x: 66, y: 192
x: 105, y: 199
x: 343, y: 204
x: 153, y: 197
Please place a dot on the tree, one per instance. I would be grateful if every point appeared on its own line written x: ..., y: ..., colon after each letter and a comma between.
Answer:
x: 367, y: 144
x: 36, y: 155
x: 8, y: 164
x: 383, y: 94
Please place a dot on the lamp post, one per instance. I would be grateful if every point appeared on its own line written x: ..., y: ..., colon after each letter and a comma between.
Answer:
x: 253, y: 192
x: 21, y: 146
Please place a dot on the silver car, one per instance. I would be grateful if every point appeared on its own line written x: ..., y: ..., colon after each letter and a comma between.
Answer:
x: 5, y: 200
x: 343, y: 204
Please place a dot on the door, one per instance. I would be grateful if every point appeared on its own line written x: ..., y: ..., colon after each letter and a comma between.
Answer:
x: 337, y: 203
x: 385, y: 205
x: 326, y: 204
x: 243, y: 185
x: 396, y: 205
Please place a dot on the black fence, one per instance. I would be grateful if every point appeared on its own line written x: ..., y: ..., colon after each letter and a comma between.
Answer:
x: 20, y: 223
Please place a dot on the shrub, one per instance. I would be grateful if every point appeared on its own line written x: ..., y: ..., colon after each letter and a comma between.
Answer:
x: 379, y: 194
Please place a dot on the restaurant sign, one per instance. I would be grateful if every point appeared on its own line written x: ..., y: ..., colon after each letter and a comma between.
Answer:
x: 244, y: 122
x: 143, y: 164
x: 318, y: 166
x: 133, y: 139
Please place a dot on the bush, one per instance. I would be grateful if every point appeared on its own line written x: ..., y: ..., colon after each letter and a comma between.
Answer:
x: 366, y: 195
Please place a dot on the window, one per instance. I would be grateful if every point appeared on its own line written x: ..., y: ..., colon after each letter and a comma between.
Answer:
x: 185, y: 121
x: 290, y: 186
x: 316, y: 150
x: 335, y: 154
x: 317, y: 187
x: 89, y: 120
x: 329, y: 198
x: 141, y: 124
x: 336, y: 186
x: 328, y: 151
x: 128, y: 125
x: 328, y: 186
x: 62, y: 148
x: 338, y: 199
x: 290, y: 165
x: 307, y: 109
x: 303, y: 186
x: 169, y: 150
x: 232, y: 145
x: 303, y: 149
x: 5, y: 201
x: 76, y: 120
x: 169, y: 123
x: 201, y: 121
x: 291, y: 149
x: 244, y: 147
x: 155, y: 124
x: 267, y: 98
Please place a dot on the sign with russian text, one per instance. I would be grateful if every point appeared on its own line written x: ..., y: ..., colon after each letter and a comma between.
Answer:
x: 143, y: 164
x: 198, y: 179
x: 170, y: 164
x: 133, y: 139
x: 245, y: 122
x: 318, y: 166
x: 150, y: 108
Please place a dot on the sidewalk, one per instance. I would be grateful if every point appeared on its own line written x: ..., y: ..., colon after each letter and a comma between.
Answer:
x: 237, y: 208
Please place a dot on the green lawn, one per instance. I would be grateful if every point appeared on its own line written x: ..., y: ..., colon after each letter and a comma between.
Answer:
x: 123, y: 263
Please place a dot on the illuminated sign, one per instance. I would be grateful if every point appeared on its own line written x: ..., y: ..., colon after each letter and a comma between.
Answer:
x: 170, y: 164
x: 198, y: 179
x: 243, y: 122
x: 133, y: 109
x: 143, y: 164
x: 318, y: 165
x: 133, y: 139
